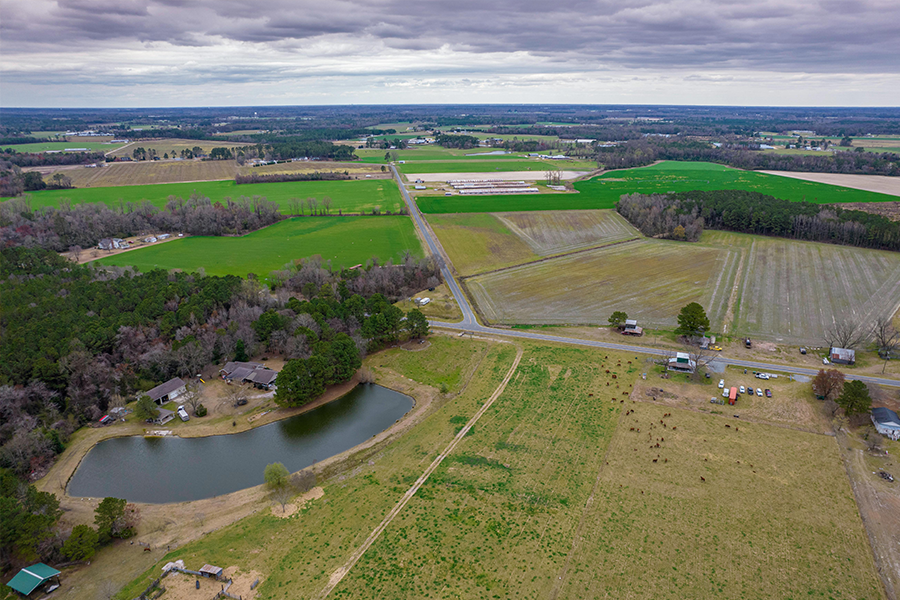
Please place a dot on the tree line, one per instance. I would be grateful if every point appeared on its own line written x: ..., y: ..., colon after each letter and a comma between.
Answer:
x: 464, y: 142
x: 283, y: 177
x: 79, y: 226
x: 684, y: 215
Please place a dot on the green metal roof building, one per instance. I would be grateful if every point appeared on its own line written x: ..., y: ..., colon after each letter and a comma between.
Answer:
x: 31, y: 578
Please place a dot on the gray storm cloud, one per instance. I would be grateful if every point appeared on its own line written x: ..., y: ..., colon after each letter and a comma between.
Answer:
x: 173, y: 42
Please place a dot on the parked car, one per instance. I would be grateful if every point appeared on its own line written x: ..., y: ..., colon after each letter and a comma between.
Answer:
x: 106, y: 420
x: 802, y: 350
x: 768, y: 393
x: 743, y: 390
x: 721, y: 383
x: 762, y: 375
x: 183, y: 414
x: 824, y: 361
x: 885, y: 475
x: 725, y: 393
x: 759, y: 392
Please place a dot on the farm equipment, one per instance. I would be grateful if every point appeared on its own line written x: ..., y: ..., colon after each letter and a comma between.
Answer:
x: 885, y: 475
x: 747, y: 343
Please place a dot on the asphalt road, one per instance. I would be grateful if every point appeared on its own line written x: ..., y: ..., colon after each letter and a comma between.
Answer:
x: 470, y: 322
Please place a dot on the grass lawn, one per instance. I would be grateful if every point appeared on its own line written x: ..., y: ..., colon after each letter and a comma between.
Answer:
x: 345, y: 241
x: 350, y: 196
x: 670, y: 176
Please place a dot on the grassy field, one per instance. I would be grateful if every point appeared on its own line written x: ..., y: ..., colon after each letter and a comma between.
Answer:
x: 793, y: 290
x: 496, y: 519
x: 345, y: 241
x: 349, y: 196
x: 92, y: 145
x: 479, y: 242
x: 774, y: 518
x: 649, y: 279
x: 669, y: 176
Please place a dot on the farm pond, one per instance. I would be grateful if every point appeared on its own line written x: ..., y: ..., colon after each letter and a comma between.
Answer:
x: 172, y: 469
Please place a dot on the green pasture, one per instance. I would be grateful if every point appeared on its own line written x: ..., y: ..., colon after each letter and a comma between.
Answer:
x: 345, y: 241
x: 667, y: 177
x: 348, y: 196
x: 91, y: 146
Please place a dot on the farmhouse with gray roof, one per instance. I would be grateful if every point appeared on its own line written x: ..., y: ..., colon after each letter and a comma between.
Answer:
x: 167, y: 391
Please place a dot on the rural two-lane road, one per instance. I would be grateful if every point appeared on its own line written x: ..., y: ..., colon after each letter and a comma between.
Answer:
x: 470, y: 323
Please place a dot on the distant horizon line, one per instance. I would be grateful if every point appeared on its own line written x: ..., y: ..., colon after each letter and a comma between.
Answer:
x: 548, y: 104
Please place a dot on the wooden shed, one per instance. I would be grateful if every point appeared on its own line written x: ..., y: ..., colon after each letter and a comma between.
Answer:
x: 211, y: 571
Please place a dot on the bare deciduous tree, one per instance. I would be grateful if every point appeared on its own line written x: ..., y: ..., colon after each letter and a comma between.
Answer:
x: 845, y: 332
x: 887, y: 339
x: 192, y: 396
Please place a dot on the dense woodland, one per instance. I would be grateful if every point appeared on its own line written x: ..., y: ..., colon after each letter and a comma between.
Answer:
x: 81, y: 226
x: 78, y: 339
x: 685, y: 214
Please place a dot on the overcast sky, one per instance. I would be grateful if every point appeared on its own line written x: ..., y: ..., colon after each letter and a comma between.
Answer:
x: 130, y: 53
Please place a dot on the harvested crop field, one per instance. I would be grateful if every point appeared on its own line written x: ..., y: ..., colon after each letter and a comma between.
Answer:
x: 479, y: 242
x: 173, y: 147
x: 650, y: 279
x: 345, y: 241
x: 871, y: 183
x: 182, y: 171
x: 564, y: 231
x: 794, y: 290
x: 752, y: 527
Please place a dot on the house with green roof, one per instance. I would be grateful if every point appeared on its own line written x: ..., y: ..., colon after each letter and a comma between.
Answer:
x: 32, y: 578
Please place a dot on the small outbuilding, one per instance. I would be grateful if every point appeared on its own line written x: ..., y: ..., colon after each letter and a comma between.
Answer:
x: 167, y: 391
x: 33, y: 578
x: 681, y: 363
x: 631, y: 328
x: 211, y: 571
x: 886, y: 422
x: 165, y: 415
x: 842, y: 356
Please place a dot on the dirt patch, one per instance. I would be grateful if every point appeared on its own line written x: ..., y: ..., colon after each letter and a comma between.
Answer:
x: 869, y: 183
x: 416, y: 345
x: 241, y: 582
x: 181, y: 586
x: 298, y: 503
